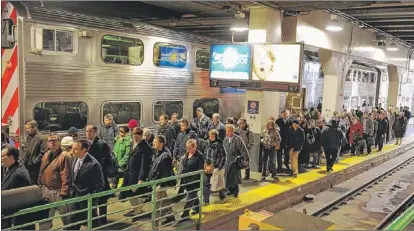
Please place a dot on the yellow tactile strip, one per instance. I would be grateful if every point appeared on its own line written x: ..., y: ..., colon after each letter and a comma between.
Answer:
x: 214, y: 211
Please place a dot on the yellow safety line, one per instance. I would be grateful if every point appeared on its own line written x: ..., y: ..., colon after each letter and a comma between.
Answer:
x: 214, y: 211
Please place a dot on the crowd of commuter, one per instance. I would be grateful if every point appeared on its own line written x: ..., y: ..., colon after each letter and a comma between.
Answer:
x: 72, y: 167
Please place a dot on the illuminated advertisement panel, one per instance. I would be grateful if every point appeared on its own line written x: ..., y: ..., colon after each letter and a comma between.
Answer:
x: 277, y: 63
x: 175, y: 57
x: 230, y: 62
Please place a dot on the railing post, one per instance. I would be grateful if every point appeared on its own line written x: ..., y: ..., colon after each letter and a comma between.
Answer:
x: 154, y: 206
x: 90, y: 213
x: 200, y: 209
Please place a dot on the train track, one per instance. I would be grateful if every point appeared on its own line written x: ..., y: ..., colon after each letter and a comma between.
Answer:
x: 343, y: 200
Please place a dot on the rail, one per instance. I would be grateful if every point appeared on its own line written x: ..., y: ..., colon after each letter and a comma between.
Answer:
x: 159, y: 205
x: 357, y: 191
x: 401, y: 221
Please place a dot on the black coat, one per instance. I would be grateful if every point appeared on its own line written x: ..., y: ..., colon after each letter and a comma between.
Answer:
x: 170, y: 135
x: 89, y: 179
x: 16, y: 176
x: 284, y: 130
x: 296, y: 139
x: 161, y: 166
x: 316, y: 146
x: 32, y: 156
x: 333, y: 138
x: 382, y: 126
x: 215, y: 153
x: 193, y: 164
x: 182, y: 138
x: 138, y: 168
x: 101, y: 151
x: 400, y: 127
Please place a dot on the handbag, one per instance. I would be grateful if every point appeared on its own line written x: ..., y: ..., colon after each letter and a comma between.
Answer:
x: 241, y: 163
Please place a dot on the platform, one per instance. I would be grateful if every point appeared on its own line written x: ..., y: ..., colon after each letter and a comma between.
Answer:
x: 269, y: 196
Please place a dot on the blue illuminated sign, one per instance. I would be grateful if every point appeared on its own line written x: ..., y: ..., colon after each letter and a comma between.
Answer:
x: 230, y: 61
x: 173, y: 57
x: 229, y: 90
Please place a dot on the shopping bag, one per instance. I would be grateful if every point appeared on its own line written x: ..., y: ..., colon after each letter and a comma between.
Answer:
x: 217, y: 180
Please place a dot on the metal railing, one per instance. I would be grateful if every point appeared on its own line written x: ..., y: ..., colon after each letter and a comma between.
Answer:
x: 158, y: 206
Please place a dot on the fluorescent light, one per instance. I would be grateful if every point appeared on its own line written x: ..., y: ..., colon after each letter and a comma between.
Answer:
x: 392, y: 47
x: 239, y: 26
x: 334, y: 25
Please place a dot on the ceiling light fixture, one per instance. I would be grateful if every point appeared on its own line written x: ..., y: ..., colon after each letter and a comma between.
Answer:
x: 239, y: 25
x: 334, y: 25
x: 392, y: 47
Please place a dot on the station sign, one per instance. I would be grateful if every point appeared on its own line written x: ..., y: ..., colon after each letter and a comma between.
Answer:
x: 264, y: 67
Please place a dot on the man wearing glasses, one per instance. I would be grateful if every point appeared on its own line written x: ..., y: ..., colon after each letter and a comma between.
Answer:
x: 54, y: 179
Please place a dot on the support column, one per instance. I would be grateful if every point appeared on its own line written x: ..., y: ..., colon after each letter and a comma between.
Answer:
x: 265, y: 26
x: 393, y: 87
x: 334, y: 67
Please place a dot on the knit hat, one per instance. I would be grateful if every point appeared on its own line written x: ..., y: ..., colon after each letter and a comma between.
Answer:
x: 67, y: 141
x: 295, y: 121
x: 72, y: 131
x: 132, y: 124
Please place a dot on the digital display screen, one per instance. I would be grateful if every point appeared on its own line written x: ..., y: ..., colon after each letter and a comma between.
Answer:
x: 173, y: 57
x: 277, y: 63
x: 230, y: 62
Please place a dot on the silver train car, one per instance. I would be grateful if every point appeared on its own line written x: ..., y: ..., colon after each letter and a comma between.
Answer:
x: 73, y: 69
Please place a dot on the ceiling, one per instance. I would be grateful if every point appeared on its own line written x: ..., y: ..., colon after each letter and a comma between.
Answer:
x: 214, y: 18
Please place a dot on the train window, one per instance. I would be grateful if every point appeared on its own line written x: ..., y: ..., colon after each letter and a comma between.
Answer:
x: 122, y: 111
x: 365, y: 77
x: 348, y: 76
x: 210, y: 106
x: 372, y: 77
x: 170, y: 55
x: 122, y: 50
x: 167, y: 107
x: 57, y: 41
x: 359, y: 76
x: 60, y: 116
x: 203, y: 58
x: 354, y: 76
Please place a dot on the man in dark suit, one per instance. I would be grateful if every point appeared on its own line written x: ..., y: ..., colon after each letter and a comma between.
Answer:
x: 101, y: 151
x: 87, y: 179
x: 16, y: 176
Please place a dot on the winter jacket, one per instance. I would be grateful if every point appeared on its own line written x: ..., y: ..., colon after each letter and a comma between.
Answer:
x: 296, y: 139
x: 122, y: 148
x: 193, y: 164
x: 382, y: 126
x: 170, y: 135
x: 284, y: 129
x: 182, y: 138
x: 247, y: 137
x: 161, y: 166
x: 270, y: 138
x: 202, y: 125
x: 400, y: 127
x: 368, y: 126
x: 108, y: 134
x: 215, y: 153
x: 55, y: 172
x: 355, y: 128
x: 315, y: 146
x: 332, y: 138
x: 32, y: 158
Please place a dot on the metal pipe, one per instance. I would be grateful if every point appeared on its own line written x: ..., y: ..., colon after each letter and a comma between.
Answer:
x: 17, y: 199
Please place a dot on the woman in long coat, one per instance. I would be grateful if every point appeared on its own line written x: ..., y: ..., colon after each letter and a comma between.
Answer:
x: 400, y: 127
x: 137, y: 171
x: 235, y: 149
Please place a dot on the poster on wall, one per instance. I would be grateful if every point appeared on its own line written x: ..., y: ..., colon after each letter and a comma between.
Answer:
x: 230, y: 62
x: 173, y: 56
x: 253, y: 107
x: 277, y: 63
